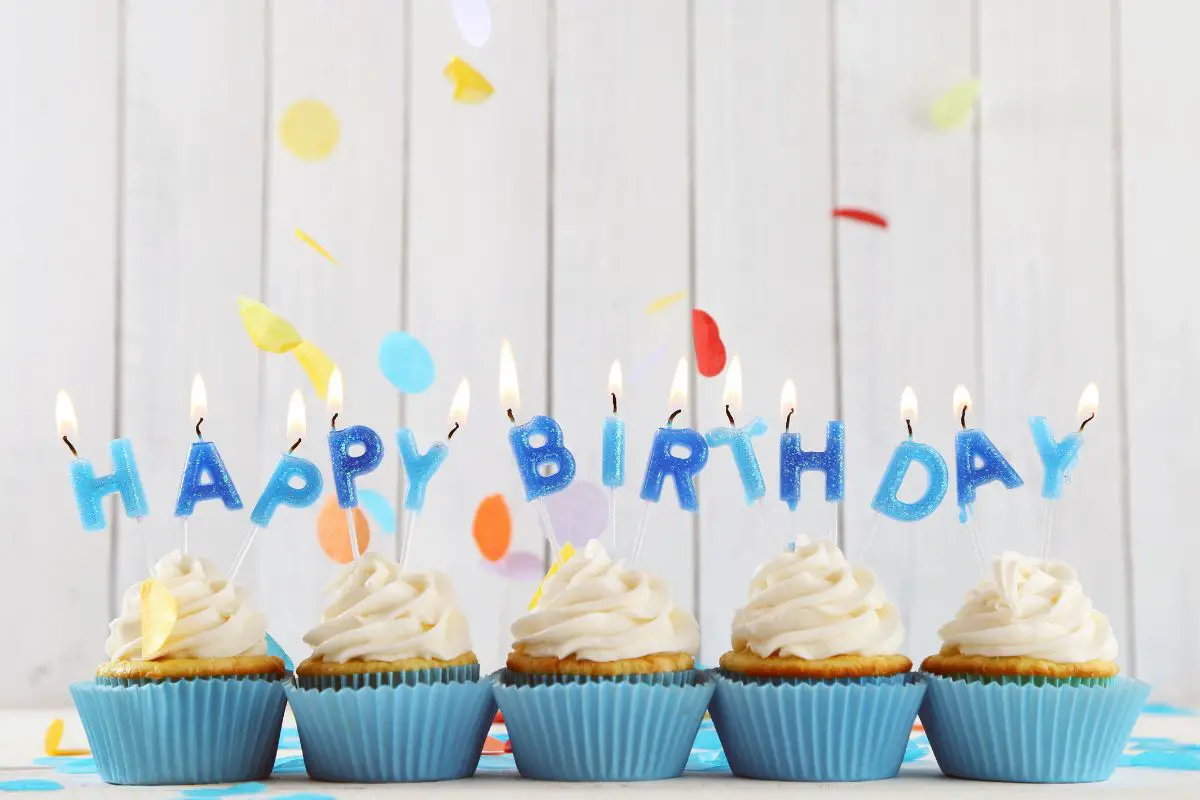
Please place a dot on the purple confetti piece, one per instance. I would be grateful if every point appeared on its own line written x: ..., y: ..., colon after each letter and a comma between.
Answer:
x: 519, y: 566
x: 578, y: 513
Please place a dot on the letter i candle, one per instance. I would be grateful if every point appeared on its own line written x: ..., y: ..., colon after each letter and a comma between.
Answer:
x: 613, y: 449
x: 346, y: 467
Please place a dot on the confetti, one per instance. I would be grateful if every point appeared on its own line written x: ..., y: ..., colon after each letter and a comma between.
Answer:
x: 492, y: 527
x: 309, y: 130
x: 30, y: 785
x: 316, y: 364
x: 953, y: 109
x: 861, y: 215
x: 53, y: 739
x: 289, y: 738
x: 315, y: 245
x: 289, y: 765
x: 159, y: 612
x: 499, y: 720
x: 493, y: 747
x: 406, y: 363
x: 334, y: 534
x: 474, y: 21
x: 564, y: 555
x: 519, y: 566
x: 304, y: 796
x: 268, y: 330
x: 665, y: 302
x: 710, y: 350
x: 578, y: 513
x: 226, y: 791
x: 469, y: 85
x: 273, y: 649
x: 379, y: 508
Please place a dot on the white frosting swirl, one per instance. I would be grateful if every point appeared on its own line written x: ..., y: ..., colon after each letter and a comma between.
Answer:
x: 813, y: 604
x: 214, y: 618
x: 1030, y: 608
x: 379, y: 613
x: 595, y: 610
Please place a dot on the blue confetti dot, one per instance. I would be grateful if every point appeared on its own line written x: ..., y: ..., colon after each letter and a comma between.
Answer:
x: 406, y: 363
x: 273, y: 649
x: 289, y: 739
x: 291, y: 765
x: 226, y: 791
x: 30, y: 785
x: 379, y: 508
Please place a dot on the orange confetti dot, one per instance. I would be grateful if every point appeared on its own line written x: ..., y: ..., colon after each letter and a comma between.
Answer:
x: 492, y: 527
x: 334, y: 534
x: 493, y: 747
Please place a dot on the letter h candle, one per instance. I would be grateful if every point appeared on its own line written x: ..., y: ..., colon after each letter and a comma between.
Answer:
x: 90, y: 490
x: 794, y: 460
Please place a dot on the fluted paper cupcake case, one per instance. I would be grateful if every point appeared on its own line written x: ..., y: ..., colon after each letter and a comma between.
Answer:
x: 196, y: 730
x: 412, y: 677
x: 1035, y: 680
x: 390, y: 734
x: 513, y: 678
x: 1029, y: 733
x: 840, y: 730
x: 603, y: 729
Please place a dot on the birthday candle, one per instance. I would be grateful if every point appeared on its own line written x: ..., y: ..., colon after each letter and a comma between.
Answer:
x: 347, y: 468
x: 977, y: 460
x: 124, y: 480
x: 794, y: 460
x: 662, y: 462
x: 204, y: 475
x: 279, y: 489
x: 552, y: 452
x: 738, y: 439
x: 419, y: 468
x: 1059, y: 458
x: 613, y: 461
x: 907, y: 453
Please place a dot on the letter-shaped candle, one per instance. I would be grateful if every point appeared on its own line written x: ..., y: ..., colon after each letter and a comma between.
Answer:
x: 977, y: 460
x: 794, y: 460
x: 1059, y: 458
x: 89, y: 489
x: 613, y: 462
x: 530, y: 458
x: 663, y: 462
x: 738, y: 439
x: 347, y: 467
x: 886, y: 502
x: 279, y: 490
x: 204, y: 475
x: 419, y: 467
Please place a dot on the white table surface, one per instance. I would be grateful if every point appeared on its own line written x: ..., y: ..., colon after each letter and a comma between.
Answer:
x: 22, y: 735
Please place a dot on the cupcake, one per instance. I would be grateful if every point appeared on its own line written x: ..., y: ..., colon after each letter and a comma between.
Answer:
x: 815, y: 688
x: 391, y: 692
x: 600, y: 684
x: 1025, y: 687
x: 205, y: 707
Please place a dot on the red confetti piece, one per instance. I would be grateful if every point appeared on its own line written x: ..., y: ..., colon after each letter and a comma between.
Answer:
x: 861, y: 215
x: 508, y: 745
x: 493, y: 747
x: 710, y: 350
x: 499, y: 720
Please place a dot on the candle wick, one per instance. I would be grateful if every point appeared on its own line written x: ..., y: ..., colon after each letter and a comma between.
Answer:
x: 908, y: 424
x: 199, y: 422
x: 729, y: 415
x: 674, y: 414
x: 511, y: 418
x: 450, y: 435
x: 962, y: 419
x: 787, y: 423
x: 70, y: 446
x: 292, y: 449
x: 333, y: 421
x: 614, y: 397
x: 1082, y: 425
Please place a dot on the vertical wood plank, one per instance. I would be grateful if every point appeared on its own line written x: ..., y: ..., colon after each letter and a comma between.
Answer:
x: 191, y: 233
x: 477, y: 273
x: 622, y: 239
x: 1160, y: 122
x: 907, y: 293
x: 1048, y: 293
x: 352, y: 203
x: 763, y: 172
x: 58, y: 212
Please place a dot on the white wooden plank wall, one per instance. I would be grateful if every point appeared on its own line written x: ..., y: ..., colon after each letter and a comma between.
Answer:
x: 630, y: 151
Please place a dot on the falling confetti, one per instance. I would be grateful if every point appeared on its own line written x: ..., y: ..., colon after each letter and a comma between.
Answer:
x: 30, y: 785
x: 493, y: 747
x: 492, y: 527
x: 578, y: 513
x: 309, y: 130
x: 519, y: 565
x: 953, y: 109
x: 274, y: 649
x: 268, y: 330
x: 665, y: 302
x: 474, y: 21
x: 469, y: 85
x: 334, y: 534
x: 316, y: 364
x: 861, y: 215
x: 406, y: 363
x: 564, y: 555
x: 159, y: 612
x: 315, y: 245
x: 379, y: 508
x: 226, y: 791
x: 710, y: 350
x: 54, y: 736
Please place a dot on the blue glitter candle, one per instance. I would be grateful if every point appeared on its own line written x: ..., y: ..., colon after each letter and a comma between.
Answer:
x: 280, y: 491
x: 613, y: 450
x: 977, y: 460
x: 794, y: 461
x: 551, y: 452
x: 1058, y: 458
x: 124, y: 481
x: 909, y: 452
x: 419, y: 468
x: 347, y: 468
x: 683, y: 470
x: 205, y: 478
x: 737, y: 439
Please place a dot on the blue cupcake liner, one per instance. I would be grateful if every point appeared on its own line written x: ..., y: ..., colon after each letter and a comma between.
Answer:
x: 102, y: 680
x: 1036, y: 680
x: 412, y: 677
x: 1027, y: 733
x: 872, y: 680
x: 603, y: 730
x: 847, y: 730
x: 200, y: 730
x: 393, y: 734
x: 513, y: 678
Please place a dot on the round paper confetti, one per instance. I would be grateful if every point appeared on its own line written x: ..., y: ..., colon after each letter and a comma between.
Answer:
x: 492, y: 527
x: 309, y: 130
x: 578, y: 513
x: 406, y: 363
x: 334, y: 535
x: 520, y: 566
x: 379, y: 508
x: 474, y: 21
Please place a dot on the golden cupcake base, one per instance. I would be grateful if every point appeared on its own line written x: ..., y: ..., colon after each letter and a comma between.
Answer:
x: 519, y: 661
x: 747, y: 662
x: 177, y: 668
x: 954, y: 663
x: 316, y: 667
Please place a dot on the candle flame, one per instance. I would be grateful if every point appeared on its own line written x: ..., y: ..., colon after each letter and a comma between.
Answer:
x: 732, y: 396
x: 615, y: 384
x: 64, y: 414
x: 962, y: 401
x: 908, y: 406
x: 199, y: 399
x: 787, y: 399
x: 460, y: 405
x: 335, y: 394
x: 296, y: 424
x: 510, y: 393
x: 1089, y: 403
x: 679, y: 387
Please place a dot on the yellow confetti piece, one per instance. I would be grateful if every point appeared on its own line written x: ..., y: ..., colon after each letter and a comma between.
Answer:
x: 317, y: 365
x: 564, y: 556
x: 54, y: 736
x: 665, y: 302
x: 268, y: 330
x: 315, y: 245
x: 953, y: 109
x: 309, y: 130
x: 469, y: 84
x: 159, y: 613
